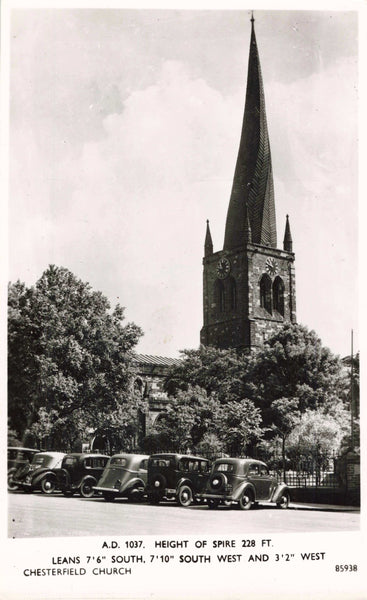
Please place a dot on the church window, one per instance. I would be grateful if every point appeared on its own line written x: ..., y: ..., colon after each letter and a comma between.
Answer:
x: 219, y: 295
x: 232, y: 293
x: 278, y: 295
x: 265, y: 293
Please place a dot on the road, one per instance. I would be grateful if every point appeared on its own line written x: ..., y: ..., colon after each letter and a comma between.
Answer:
x: 39, y: 515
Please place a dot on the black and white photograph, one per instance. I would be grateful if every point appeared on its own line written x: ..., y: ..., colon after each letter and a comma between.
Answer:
x: 181, y: 356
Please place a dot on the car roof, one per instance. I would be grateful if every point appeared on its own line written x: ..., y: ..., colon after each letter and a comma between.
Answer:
x: 126, y: 455
x: 242, y: 461
x: 20, y: 448
x: 87, y: 454
x: 178, y: 456
x: 53, y: 454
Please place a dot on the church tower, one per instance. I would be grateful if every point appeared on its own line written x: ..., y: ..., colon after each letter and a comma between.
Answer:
x: 249, y: 286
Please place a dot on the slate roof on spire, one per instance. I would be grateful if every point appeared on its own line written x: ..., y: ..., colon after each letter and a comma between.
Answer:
x: 253, y: 178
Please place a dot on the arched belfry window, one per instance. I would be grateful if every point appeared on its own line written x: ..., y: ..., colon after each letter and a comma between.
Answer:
x: 278, y: 295
x: 219, y: 295
x: 265, y: 293
x: 232, y: 293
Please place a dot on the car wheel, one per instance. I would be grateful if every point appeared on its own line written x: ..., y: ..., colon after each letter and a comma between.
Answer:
x: 109, y: 497
x: 185, y: 495
x: 213, y: 503
x: 86, y: 489
x: 136, y: 494
x: 11, y: 485
x: 283, y: 501
x: 217, y: 481
x: 246, y: 500
x: 48, y: 486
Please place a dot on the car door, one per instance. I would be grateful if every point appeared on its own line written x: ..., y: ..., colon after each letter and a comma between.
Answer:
x: 266, y: 482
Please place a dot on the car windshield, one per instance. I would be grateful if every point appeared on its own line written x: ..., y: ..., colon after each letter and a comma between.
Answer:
x: 224, y: 467
x: 118, y: 461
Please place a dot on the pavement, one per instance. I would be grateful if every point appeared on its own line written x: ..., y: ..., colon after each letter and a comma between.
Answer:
x: 324, y: 507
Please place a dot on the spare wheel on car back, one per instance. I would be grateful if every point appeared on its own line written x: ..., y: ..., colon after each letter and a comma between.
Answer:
x: 159, y: 482
x: 217, y: 481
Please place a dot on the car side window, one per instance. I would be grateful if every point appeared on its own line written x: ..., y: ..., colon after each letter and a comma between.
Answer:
x: 264, y: 470
x: 144, y: 464
x: 184, y: 465
x: 253, y: 470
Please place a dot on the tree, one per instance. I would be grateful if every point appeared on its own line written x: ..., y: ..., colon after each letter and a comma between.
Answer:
x: 69, y: 363
x: 294, y: 364
x: 317, y: 436
x: 222, y: 372
x: 189, y: 416
x: 240, y: 427
x: 285, y: 415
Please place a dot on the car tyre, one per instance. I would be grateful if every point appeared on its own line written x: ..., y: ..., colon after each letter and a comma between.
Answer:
x: 185, y: 496
x: 86, y: 488
x: 136, y: 494
x: 246, y: 500
x: 283, y: 501
x: 11, y: 485
x: 213, y: 503
x: 48, y: 485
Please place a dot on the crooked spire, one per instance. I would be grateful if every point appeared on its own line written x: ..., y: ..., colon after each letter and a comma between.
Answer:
x: 253, y: 178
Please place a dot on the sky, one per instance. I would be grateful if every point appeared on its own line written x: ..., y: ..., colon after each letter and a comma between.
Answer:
x: 124, y: 131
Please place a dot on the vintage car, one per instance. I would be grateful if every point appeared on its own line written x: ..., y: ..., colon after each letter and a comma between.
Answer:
x: 176, y: 476
x: 125, y: 476
x: 244, y: 481
x: 79, y: 472
x: 18, y: 457
x: 34, y: 475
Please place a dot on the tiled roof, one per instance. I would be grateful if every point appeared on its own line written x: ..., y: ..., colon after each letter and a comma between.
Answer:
x: 149, y: 359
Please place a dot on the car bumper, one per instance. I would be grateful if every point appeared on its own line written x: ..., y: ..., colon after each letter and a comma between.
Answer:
x: 217, y: 497
x: 106, y: 489
x: 23, y: 484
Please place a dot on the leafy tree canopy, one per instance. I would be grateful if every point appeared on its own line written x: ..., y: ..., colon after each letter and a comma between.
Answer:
x: 69, y: 353
x: 293, y: 364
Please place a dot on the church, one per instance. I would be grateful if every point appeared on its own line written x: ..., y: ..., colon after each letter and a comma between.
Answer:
x: 249, y: 285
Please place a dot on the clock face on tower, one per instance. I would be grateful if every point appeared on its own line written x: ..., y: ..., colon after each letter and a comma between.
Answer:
x: 271, y: 266
x: 223, y: 268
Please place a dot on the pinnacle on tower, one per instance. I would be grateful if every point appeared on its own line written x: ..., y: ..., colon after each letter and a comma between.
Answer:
x: 208, y: 245
x: 253, y: 178
x: 287, y: 242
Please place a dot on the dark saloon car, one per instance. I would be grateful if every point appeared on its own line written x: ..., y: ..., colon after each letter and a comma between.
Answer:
x: 125, y: 476
x: 79, y: 473
x: 176, y: 476
x: 245, y: 481
x: 35, y: 475
x: 18, y: 457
